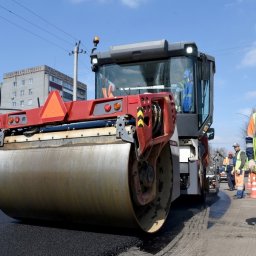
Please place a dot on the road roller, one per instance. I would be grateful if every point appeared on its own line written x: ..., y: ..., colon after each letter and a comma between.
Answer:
x: 102, y: 162
x: 118, y: 160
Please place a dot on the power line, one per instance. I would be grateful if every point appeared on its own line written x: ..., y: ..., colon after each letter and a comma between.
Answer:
x: 49, y: 23
x: 33, y: 24
x: 43, y: 19
x: 242, y: 46
x: 218, y: 51
x: 46, y: 21
x: 31, y: 32
x: 233, y: 49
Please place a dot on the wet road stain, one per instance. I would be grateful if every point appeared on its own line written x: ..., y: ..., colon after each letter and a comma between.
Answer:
x: 218, y: 208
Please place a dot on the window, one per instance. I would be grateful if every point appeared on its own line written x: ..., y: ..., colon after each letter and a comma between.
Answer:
x: 175, y: 75
x: 67, y: 90
x: 67, y: 96
x: 14, y: 104
x: 30, y: 81
x: 204, y: 98
x: 55, y: 80
x: 30, y: 92
x: 14, y: 94
x: 22, y: 103
x: 23, y: 82
x: 68, y: 86
x: 80, y: 91
x: 14, y: 83
x: 181, y: 83
x: 30, y: 101
x: 54, y: 89
x: 51, y: 89
x: 21, y: 92
x: 204, y: 101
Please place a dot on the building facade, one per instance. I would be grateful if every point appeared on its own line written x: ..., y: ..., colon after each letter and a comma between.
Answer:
x: 29, y: 88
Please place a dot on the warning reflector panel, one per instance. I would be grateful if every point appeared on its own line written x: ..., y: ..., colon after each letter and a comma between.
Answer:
x: 54, y: 108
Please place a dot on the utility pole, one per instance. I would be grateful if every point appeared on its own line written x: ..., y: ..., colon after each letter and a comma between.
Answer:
x: 76, y: 52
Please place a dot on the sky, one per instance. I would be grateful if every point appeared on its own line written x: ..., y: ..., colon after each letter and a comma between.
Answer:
x: 37, y: 32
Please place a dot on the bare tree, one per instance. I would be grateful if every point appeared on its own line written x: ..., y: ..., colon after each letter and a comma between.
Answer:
x: 217, y: 156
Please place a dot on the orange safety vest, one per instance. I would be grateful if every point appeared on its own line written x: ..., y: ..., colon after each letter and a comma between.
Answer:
x: 239, y: 179
x: 225, y: 161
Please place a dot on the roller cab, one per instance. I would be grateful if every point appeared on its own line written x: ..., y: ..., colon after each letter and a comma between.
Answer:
x: 178, y: 68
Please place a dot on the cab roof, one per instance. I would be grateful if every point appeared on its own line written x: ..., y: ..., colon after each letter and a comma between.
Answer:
x: 149, y: 50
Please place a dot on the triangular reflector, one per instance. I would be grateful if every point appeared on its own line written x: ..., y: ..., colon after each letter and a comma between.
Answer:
x: 54, y: 108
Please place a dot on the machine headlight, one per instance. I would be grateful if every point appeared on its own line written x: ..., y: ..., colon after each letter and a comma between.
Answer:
x: 94, y: 61
x: 189, y: 50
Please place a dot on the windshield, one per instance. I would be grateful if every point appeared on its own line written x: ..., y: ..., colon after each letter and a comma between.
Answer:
x: 175, y: 75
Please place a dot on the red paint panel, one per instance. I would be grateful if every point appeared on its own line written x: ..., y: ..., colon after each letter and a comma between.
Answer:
x: 58, y: 112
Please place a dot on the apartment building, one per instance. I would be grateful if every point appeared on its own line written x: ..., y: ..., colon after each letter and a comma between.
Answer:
x: 28, y: 88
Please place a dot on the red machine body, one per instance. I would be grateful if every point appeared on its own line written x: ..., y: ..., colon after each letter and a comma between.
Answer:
x: 138, y: 107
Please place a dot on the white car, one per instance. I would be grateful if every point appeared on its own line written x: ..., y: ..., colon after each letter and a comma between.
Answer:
x: 213, y: 181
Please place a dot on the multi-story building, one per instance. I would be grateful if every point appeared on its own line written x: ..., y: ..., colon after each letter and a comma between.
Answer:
x: 28, y: 88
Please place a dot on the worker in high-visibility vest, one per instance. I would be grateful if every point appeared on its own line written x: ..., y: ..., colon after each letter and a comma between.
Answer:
x: 240, y: 167
x: 251, y: 145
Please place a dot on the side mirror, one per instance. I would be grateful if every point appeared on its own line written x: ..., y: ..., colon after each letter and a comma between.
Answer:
x: 210, y: 133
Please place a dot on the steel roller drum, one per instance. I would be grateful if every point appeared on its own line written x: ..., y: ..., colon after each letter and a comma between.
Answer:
x: 88, y: 183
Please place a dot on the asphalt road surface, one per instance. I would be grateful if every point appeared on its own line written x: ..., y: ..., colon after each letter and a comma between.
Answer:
x: 19, y: 238
x: 185, y: 221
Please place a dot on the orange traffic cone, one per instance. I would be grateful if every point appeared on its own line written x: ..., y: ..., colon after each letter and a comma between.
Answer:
x: 249, y: 184
x: 253, y: 193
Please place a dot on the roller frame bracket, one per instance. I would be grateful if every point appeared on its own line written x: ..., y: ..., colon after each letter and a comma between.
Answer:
x: 121, y: 132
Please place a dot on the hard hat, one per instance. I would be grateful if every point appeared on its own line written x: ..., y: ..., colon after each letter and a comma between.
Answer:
x: 236, y: 145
